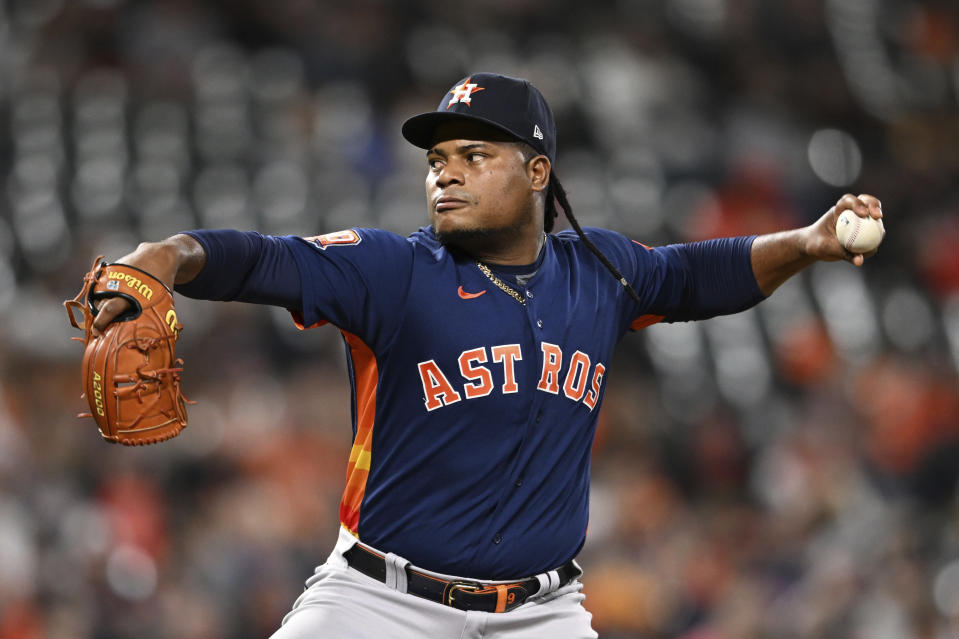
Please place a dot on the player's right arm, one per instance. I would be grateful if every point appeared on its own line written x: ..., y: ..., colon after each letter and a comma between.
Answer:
x: 354, y: 279
x: 222, y: 265
x: 175, y: 260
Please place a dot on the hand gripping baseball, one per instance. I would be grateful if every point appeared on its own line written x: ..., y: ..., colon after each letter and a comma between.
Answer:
x: 830, y: 241
x: 130, y: 373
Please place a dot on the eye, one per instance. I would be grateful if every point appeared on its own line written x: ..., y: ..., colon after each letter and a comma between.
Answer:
x: 474, y: 157
x: 435, y: 164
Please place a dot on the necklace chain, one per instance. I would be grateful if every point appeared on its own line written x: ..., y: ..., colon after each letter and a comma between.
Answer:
x: 503, y: 286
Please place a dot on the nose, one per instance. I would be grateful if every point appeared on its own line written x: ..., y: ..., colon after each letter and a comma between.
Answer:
x: 449, y: 174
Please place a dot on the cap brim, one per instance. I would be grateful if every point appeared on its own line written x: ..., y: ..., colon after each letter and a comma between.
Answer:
x: 420, y: 130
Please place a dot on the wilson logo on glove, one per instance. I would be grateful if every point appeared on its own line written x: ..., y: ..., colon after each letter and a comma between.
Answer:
x: 130, y: 374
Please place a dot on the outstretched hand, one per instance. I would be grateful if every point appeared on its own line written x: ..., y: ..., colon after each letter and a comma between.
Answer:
x: 175, y: 260
x: 115, y: 306
x: 823, y: 244
x: 778, y: 256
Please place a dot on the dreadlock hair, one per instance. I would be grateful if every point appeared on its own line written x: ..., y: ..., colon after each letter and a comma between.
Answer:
x: 556, y: 193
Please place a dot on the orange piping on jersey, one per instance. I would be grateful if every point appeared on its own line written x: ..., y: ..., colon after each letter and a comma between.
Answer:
x: 645, y: 320
x: 648, y: 248
x: 365, y: 375
x: 298, y: 320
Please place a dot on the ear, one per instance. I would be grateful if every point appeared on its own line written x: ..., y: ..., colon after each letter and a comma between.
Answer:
x: 538, y: 170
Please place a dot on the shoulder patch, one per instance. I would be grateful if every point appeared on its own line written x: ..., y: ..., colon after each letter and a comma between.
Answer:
x: 349, y: 237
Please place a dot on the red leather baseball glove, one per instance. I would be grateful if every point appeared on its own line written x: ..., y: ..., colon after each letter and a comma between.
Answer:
x: 130, y: 374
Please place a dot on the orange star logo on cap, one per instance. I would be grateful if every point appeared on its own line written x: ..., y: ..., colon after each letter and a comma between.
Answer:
x: 462, y: 92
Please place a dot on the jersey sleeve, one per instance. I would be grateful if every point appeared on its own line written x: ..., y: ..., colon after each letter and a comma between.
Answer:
x: 683, y: 282
x: 245, y: 266
x: 355, y: 279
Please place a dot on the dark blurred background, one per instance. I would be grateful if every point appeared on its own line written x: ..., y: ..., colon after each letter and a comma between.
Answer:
x: 787, y: 472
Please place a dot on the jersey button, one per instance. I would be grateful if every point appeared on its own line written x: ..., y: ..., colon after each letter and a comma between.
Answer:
x: 519, y: 482
x: 497, y: 538
x: 529, y: 294
x: 539, y: 417
x: 539, y: 323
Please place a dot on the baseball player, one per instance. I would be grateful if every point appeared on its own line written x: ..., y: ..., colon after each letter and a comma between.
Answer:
x: 479, y: 350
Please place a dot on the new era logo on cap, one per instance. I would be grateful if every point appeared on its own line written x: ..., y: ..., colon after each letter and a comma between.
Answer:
x: 509, y: 104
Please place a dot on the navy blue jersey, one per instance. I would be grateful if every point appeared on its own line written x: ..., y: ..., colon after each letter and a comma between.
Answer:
x: 474, y: 414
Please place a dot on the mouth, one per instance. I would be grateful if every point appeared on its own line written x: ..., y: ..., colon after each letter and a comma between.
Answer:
x: 448, y: 204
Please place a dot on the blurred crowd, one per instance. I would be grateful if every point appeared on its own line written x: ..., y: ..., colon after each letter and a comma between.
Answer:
x: 788, y: 472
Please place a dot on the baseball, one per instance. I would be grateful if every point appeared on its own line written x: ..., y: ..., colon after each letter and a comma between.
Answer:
x: 859, y: 234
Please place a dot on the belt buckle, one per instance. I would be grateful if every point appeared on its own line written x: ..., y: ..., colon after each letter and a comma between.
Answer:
x: 467, y: 586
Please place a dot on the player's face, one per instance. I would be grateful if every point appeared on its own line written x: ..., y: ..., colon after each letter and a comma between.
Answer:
x: 480, y: 188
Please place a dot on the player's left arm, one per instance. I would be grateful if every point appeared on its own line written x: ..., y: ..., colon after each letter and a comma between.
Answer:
x: 778, y: 256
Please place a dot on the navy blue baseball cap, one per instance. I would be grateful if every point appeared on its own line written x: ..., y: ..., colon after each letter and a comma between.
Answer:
x: 510, y: 104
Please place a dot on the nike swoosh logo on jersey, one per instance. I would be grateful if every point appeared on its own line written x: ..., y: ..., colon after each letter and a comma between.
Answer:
x: 469, y: 296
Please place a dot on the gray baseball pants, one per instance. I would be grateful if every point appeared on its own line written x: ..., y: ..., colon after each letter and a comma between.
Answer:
x: 342, y: 602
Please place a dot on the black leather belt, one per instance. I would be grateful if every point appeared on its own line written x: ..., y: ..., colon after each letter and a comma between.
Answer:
x: 461, y: 594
